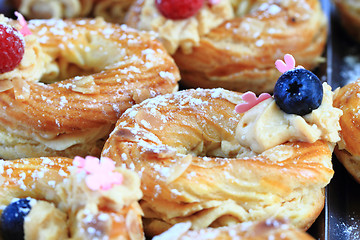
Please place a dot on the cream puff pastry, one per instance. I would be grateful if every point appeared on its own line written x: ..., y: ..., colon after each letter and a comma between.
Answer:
x: 233, y: 43
x: 75, y: 79
x: 201, y: 161
x: 60, y: 200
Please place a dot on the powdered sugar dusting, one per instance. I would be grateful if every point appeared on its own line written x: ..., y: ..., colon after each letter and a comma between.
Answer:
x: 17, y: 173
x: 349, y: 229
x: 271, y: 9
x: 146, y: 120
x: 167, y: 75
x: 191, y: 99
x: 351, y: 69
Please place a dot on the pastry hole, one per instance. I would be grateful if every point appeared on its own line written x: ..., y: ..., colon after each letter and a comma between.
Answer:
x: 90, y: 53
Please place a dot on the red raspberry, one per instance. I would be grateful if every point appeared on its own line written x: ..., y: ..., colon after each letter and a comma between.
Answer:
x: 179, y: 9
x: 11, y: 48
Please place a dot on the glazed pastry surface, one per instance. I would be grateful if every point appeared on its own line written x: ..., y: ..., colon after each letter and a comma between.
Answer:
x: 347, y: 150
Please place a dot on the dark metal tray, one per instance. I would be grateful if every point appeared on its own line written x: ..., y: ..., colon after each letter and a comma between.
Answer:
x: 340, y: 219
x: 342, y: 207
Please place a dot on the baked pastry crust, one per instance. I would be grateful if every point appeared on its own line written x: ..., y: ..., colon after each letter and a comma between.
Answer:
x: 239, y: 53
x: 64, y: 204
x: 93, y: 71
x: 30, y: 178
x: 347, y: 151
x: 177, y: 143
x: 349, y: 11
x: 263, y: 230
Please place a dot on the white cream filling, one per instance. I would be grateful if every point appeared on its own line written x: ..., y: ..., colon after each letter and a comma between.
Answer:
x: 266, y: 125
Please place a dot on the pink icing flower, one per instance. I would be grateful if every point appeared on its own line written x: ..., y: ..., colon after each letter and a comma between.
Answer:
x: 214, y: 2
x: 287, y: 65
x: 24, y: 27
x: 100, y: 173
x: 250, y: 101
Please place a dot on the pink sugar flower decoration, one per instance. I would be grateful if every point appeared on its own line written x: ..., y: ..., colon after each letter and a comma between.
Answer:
x: 24, y: 27
x: 100, y: 173
x: 250, y: 101
x: 214, y: 2
x: 288, y: 64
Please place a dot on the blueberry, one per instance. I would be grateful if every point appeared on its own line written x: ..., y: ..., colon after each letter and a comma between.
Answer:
x: 298, y: 91
x: 12, y: 219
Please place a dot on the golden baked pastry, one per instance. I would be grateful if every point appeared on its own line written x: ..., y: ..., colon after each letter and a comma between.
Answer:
x: 200, y: 161
x: 76, y: 78
x: 264, y: 230
x: 64, y: 207
x: 349, y: 11
x: 110, y: 10
x: 45, y: 9
x: 234, y: 43
x: 347, y: 150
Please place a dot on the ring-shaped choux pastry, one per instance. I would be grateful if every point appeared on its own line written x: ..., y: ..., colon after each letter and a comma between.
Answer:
x: 197, y: 161
x: 64, y: 207
x: 234, y: 43
x: 76, y: 78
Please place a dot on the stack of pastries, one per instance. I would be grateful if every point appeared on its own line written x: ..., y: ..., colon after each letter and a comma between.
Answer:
x: 206, y: 162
